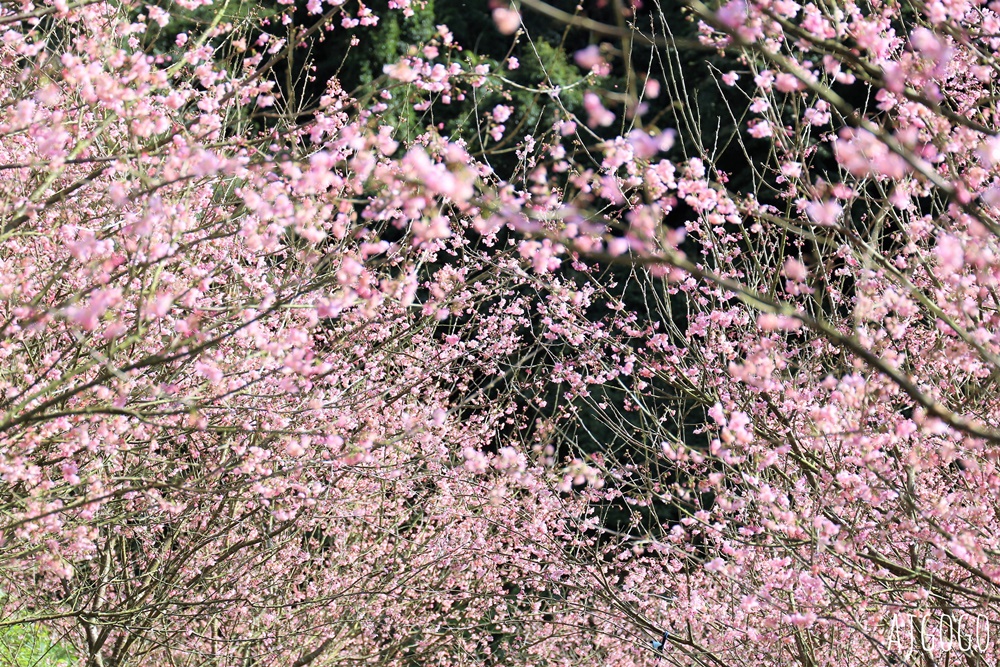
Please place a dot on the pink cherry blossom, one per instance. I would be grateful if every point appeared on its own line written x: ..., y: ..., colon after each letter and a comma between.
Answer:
x: 507, y: 20
x: 341, y: 386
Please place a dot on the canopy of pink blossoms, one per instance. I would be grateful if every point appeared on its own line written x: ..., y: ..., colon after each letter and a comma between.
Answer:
x: 293, y: 386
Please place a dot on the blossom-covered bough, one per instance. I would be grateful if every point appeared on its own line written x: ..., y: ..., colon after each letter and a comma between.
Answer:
x: 285, y: 385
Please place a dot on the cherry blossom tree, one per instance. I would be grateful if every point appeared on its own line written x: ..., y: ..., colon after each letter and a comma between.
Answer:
x: 287, y: 382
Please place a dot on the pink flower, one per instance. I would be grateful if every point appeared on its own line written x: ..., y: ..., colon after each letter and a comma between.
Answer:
x: 645, y: 146
x: 733, y: 14
x: 589, y: 58
x: 949, y: 252
x: 401, y: 71
x: 794, y: 269
x: 159, y: 306
x: 617, y: 246
x: 501, y: 113
x: 159, y: 15
x: 597, y: 115
x: 208, y: 371
x: 791, y: 169
x: 863, y: 154
x: 826, y: 212
x: 928, y: 44
x: 803, y: 620
x: 566, y: 127
x: 989, y: 152
x: 715, y: 565
x: 770, y: 322
x: 818, y: 114
x: 759, y: 129
x: 88, y: 317
x: 506, y: 20
x: 475, y: 460
x: 788, y: 83
x: 764, y: 80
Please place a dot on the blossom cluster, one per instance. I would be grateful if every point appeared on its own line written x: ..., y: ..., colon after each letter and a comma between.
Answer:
x: 301, y: 387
